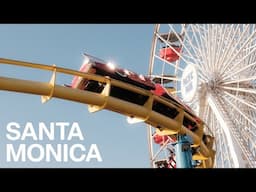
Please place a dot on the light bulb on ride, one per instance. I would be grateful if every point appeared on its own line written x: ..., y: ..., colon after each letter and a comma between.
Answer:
x: 132, y: 120
x: 86, y: 59
x: 111, y: 65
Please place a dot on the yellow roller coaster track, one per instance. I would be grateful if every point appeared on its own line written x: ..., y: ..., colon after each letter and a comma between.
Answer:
x: 103, y: 100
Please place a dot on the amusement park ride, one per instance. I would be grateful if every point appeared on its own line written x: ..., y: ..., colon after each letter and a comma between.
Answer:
x: 107, y: 87
x: 153, y: 99
x: 102, y: 86
x: 177, y: 110
x: 116, y: 89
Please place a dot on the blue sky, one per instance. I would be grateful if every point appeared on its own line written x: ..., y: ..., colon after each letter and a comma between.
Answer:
x: 121, y: 145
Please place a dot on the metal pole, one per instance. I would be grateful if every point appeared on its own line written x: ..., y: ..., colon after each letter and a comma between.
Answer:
x: 183, y: 152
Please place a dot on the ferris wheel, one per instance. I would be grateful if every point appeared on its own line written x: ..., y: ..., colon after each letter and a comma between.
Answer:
x: 211, y: 68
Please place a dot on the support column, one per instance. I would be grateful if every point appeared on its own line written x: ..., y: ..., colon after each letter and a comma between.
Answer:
x: 183, y: 152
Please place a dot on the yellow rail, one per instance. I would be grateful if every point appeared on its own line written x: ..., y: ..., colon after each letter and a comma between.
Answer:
x: 103, y: 100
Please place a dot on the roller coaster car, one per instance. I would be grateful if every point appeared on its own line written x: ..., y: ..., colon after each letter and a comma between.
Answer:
x: 97, y: 66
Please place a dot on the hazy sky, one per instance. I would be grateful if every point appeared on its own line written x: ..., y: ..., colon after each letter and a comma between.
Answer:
x: 120, y: 144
